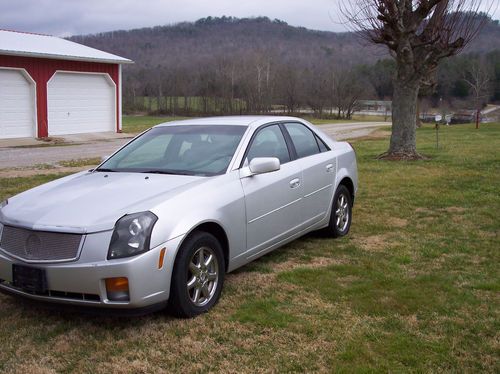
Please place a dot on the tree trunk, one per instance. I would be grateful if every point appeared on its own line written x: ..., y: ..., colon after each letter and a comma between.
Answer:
x: 417, y: 117
x: 403, y: 139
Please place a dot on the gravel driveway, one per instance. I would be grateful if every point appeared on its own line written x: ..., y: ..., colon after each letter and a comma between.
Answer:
x: 351, y: 130
x: 29, y: 156
x: 25, y: 157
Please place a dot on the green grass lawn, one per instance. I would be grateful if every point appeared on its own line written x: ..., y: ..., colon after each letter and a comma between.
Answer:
x: 137, y: 124
x: 414, y: 287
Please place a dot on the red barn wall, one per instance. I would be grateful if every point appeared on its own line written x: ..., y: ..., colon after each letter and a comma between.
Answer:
x: 42, y: 69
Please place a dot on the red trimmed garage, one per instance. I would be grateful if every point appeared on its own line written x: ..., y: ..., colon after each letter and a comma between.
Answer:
x: 51, y: 87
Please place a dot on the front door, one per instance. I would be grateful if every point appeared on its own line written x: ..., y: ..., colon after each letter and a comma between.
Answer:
x: 273, y: 199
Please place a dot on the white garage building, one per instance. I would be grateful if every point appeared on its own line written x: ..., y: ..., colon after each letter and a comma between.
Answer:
x: 51, y: 86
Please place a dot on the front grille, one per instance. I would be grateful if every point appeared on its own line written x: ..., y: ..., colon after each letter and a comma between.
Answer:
x: 40, y: 246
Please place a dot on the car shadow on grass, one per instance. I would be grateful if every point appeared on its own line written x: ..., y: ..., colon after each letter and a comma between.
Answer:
x: 47, y: 312
x: 289, y: 251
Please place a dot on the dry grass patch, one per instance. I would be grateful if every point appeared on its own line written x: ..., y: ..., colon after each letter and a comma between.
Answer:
x: 455, y: 209
x: 398, y: 222
x: 32, y: 368
x: 377, y: 134
x: 315, y: 262
x: 424, y: 210
x: 374, y: 243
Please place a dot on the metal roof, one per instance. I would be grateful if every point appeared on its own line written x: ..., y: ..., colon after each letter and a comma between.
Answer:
x: 36, y: 45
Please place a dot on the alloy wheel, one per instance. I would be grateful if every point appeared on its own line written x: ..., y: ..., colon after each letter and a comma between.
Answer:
x: 342, y: 213
x: 202, y: 276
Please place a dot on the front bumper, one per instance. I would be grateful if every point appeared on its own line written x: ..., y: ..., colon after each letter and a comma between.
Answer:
x: 82, y: 282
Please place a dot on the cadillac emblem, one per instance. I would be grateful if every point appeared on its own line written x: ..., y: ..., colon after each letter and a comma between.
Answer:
x: 33, y: 245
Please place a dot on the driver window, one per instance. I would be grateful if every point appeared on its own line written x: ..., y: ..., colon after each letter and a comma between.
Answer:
x: 269, y: 142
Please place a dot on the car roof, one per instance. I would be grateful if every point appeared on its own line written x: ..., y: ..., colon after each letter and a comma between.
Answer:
x: 247, y: 121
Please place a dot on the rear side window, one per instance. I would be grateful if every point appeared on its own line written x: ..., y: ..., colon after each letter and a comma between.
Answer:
x: 322, y: 146
x: 269, y: 142
x: 303, y: 139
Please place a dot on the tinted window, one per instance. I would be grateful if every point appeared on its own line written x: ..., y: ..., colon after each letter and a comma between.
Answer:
x: 322, y: 146
x: 191, y: 150
x: 303, y: 139
x: 141, y: 154
x: 269, y: 142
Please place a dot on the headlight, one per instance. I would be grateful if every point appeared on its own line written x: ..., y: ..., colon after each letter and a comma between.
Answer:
x: 132, y: 235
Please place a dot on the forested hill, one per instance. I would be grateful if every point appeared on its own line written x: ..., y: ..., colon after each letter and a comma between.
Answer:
x: 210, y: 37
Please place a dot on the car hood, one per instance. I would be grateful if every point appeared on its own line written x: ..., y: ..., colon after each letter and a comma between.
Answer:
x: 90, y: 202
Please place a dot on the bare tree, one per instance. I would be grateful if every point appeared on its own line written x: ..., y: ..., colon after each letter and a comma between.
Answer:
x: 317, y: 89
x: 478, y: 78
x: 348, y: 90
x: 289, y: 88
x: 418, y: 34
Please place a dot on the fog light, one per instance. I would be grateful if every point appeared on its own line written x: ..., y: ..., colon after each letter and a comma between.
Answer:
x: 117, y: 289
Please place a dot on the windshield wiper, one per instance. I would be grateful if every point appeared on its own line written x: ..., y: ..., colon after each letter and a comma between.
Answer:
x: 106, y: 170
x: 167, y: 172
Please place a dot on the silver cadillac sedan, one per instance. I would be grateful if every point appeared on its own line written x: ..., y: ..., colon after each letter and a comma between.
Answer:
x: 162, y: 220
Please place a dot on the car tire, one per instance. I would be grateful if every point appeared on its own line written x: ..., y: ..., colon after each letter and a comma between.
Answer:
x: 196, y: 285
x: 341, y: 214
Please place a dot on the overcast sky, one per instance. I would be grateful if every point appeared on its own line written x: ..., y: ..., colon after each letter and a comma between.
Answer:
x: 70, y: 17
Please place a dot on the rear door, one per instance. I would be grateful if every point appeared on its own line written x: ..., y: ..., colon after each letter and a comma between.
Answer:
x: 273, y: 199
x: 318, y: 164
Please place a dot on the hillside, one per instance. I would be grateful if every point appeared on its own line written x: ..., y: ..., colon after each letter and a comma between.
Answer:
x: 209, y: 37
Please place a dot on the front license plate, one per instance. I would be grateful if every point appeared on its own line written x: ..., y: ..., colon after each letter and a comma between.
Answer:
x: 29, y: 279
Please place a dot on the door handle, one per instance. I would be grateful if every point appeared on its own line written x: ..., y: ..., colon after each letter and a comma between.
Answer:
x: 294, y: 183
x: 329, y: 168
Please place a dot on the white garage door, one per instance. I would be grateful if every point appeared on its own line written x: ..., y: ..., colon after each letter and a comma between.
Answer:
x: 17, y: 105
x: 80, y: 103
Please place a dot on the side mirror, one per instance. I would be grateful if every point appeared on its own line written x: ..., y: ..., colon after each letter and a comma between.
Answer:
x: 261, y: 165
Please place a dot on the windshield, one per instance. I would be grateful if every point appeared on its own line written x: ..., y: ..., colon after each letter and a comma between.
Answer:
x: 184, y: 150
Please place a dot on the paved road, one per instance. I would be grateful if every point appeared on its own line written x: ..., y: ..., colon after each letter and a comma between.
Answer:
x: 26, y: 157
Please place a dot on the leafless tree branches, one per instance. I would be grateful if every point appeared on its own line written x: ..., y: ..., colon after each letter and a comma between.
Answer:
x: 478, y: 78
